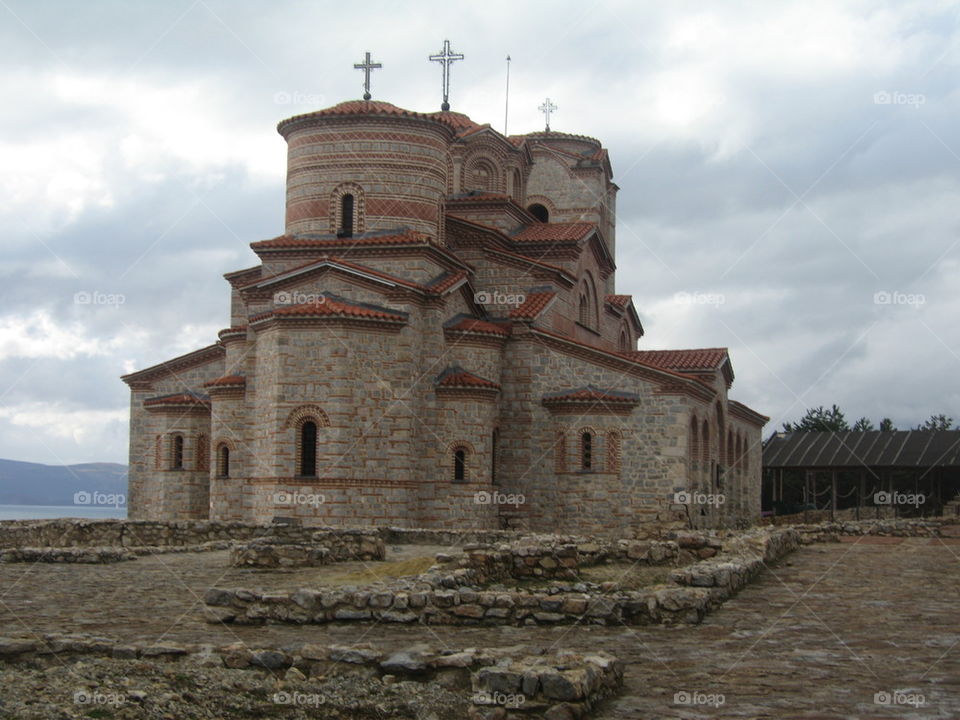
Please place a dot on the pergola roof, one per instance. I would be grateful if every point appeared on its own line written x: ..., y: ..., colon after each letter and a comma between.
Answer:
x: 896, y: 449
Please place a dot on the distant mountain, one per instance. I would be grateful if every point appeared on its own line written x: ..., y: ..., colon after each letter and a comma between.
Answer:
x: 24, y: 483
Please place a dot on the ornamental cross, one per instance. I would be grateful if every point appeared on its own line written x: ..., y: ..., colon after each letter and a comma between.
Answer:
x: 445, y: 57
x: 547, y: 108
x: 367, y: 66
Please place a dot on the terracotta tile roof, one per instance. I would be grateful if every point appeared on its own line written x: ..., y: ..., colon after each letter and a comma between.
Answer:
x: 458, y: 121
x: 227, y: 381
x: 473, y: 325
x: 533, y: 261
x: 619, y: 301
x: 477, y: 196
x: 456, y: 376
x: 591, y: 394
x: 699, y: 359
x: 446, y: 281
x: 534, y: 304
x: 547, y: 232
x: 177, y: 399
x: 333, y: 307
x: 406, y: 237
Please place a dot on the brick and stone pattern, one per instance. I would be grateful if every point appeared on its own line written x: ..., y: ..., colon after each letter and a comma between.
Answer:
x: 438, y: 202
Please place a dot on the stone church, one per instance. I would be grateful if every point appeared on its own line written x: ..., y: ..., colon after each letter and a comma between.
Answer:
x: 436, y: 340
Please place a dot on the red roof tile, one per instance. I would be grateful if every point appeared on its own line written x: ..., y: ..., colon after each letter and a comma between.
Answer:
x: 592, y: 394
x: 699, y: 359
x: 330, y: 307
x: 534, y: 304
x: 177, y: 399
x: 532, y: 261
x: 445, y: 282
x: 546, y: 232
x: 291, y: 242
x: 477, y: 196
x: 479, y: 326
x: 458, y: 122
x: 458, y: 377
x: 227, y: 381
x: 619, y: 301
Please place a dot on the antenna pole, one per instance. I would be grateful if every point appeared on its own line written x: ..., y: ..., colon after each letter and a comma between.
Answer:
x: 506, y: 109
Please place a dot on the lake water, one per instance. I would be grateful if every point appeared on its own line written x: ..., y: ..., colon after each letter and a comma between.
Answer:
x: 49, y: 512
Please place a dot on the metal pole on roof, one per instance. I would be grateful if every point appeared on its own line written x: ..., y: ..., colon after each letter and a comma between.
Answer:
x: 506, y: 108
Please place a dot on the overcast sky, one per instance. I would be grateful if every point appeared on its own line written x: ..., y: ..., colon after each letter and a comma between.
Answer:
x: 780, y: 164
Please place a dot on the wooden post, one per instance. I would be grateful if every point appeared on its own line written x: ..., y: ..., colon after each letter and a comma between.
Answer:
x: 833, y: 494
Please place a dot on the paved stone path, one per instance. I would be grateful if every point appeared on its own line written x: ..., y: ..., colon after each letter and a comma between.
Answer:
x: 815, y: 637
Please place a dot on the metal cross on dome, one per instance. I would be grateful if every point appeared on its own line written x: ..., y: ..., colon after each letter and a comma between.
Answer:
x: 547, y: 108
x: 367, y: 66
x: 445, y: 57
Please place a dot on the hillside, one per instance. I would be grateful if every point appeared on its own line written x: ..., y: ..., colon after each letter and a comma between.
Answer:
x: 24, y: 483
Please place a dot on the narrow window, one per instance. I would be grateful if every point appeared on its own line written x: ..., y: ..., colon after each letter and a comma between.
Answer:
x: 223, y: 462
x: 177, y: 460
x: 539, y: 212
x: 586, y: 451
x: 202, y: 465
x: 584, y: 310
x: 308, y: 449
x: 493, y: 456
x: 624, y: 341
x: 346, y: 216
x: 460, y: 465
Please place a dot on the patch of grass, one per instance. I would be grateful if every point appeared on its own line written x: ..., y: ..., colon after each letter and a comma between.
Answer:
x: 381, y: 571
x: 628, y: 575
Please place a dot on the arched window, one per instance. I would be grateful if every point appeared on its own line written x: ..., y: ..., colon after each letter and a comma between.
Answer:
x: 586, y: 450
x: 624, y: 341
x: 202, y: 464
x: 223, y: 461
x: 587, y: 311
x: 540, y: 212
x: 308, y: 449
x: 346, y: 216
x: 584, y: 310
x: 739, y: 461
x: 517, y: 182
x: 494, y: 440
x: 694, y: 451
x: 460, y: 465
x: 176, y: 455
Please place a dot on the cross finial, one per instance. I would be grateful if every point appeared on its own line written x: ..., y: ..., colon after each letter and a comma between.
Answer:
x: 367, y: 66
x: 547, y: 108
x: 445, y: 57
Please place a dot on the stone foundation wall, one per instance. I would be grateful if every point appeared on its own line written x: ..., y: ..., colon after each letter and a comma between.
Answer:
x: 336, y: 547
x: 913, y: 527
x: 502, y: 683
x: 435, y: 598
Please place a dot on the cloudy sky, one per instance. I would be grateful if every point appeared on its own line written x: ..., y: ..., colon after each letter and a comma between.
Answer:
x: 789, y: 173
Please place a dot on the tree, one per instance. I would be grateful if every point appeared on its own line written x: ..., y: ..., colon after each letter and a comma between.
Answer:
x: 819, y: 419
x: 886, y: 425
x: 936, y: 422
x: 863, y: 425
